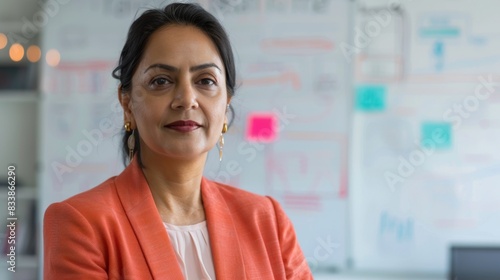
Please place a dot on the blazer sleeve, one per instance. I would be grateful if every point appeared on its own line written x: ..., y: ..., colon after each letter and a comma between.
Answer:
x: 296, y: 267
x: 70, y: 250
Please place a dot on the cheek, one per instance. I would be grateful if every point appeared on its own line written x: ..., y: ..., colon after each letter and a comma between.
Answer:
x: 145, y: 111
x: 217, y: 123
x: 138, y: 99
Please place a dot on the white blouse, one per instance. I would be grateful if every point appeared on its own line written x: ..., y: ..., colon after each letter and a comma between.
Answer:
x: 192, y: 247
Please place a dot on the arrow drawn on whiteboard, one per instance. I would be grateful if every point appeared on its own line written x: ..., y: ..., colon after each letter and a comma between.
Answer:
x: 285, y: 78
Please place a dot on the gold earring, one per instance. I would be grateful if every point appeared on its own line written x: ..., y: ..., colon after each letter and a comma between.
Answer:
x: 127, y: 126
x: 131, y: 146
x: 221, y: 145
x: 221, y: 141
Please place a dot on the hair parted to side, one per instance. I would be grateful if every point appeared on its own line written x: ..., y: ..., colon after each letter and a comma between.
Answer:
x: 141, y: 30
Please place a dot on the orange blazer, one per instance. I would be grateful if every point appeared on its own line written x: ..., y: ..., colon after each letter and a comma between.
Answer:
x: 114, y: 231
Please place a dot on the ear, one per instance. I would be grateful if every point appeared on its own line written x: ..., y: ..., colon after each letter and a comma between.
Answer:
x: 125, y: 99
x: 227, y: 108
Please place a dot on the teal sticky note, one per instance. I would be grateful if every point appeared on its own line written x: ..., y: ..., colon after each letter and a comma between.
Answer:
x: 447, y: 32
x: 371, y: 98
x: 437, y: 135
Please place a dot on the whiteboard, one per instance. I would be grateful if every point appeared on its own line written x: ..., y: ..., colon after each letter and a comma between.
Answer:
x: 291, y: 72
x: 425, y: 163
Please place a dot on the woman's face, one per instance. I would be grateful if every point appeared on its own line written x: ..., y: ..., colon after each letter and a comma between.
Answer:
x: 178, y: 99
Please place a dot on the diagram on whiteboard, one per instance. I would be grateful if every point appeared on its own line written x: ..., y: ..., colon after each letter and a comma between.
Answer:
x: 427, y: 169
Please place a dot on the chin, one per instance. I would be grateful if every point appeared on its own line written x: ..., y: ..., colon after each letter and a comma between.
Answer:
x: 185, y: 154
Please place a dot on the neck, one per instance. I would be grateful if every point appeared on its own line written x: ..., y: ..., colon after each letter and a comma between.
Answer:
x: 175, y: 186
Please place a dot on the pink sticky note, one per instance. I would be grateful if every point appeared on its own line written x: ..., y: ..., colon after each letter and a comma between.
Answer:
x: 262, y: 127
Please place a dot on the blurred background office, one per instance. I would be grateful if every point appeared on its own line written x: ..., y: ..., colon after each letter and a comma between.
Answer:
x: 375, y: 123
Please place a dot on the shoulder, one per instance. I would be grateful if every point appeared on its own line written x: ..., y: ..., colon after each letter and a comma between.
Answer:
x: 98, y: 200
x: 248, y: 203
x: 239, y: 196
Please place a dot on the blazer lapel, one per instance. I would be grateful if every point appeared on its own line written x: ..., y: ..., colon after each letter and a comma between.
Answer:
x: 143, y: 215
x: 226, y: 252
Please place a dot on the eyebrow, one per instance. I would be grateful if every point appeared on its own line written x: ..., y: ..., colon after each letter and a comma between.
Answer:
x: 175, y: 69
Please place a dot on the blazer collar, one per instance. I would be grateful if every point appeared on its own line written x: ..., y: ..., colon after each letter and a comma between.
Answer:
x: 138, y: 203
x: 226, y: 250
x: 137, y: 200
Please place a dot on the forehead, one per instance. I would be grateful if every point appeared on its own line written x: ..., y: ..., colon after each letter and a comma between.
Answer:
x: 180, y: 44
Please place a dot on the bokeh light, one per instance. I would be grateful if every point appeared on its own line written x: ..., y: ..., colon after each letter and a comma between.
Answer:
x: 16, y: 52
x: 53, y: 58
x: 3, y: 41
x: 33, y: 53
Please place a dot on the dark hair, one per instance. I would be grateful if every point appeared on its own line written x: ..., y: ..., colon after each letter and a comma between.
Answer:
x: 150, y: 21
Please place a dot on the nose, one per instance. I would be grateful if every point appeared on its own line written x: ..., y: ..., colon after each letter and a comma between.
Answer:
x: 185, y: 96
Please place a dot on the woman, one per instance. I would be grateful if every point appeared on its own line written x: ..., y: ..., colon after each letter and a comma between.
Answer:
x: 160, y: 219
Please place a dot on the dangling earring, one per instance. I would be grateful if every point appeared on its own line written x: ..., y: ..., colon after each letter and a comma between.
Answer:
x: 221, y: 140
x: 130, y: 141
x: 131, y: 146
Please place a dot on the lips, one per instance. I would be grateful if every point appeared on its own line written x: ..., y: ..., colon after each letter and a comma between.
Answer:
x: 183, y: 126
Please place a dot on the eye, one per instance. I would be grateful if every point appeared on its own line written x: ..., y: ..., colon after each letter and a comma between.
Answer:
x: 160, y: 81
x: 207, y: 82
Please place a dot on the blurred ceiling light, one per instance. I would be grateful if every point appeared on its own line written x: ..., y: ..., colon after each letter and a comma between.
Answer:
x: 33, y: 53
x: 16, y: 52
x: 3, y: 41
x: 53, y: 58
